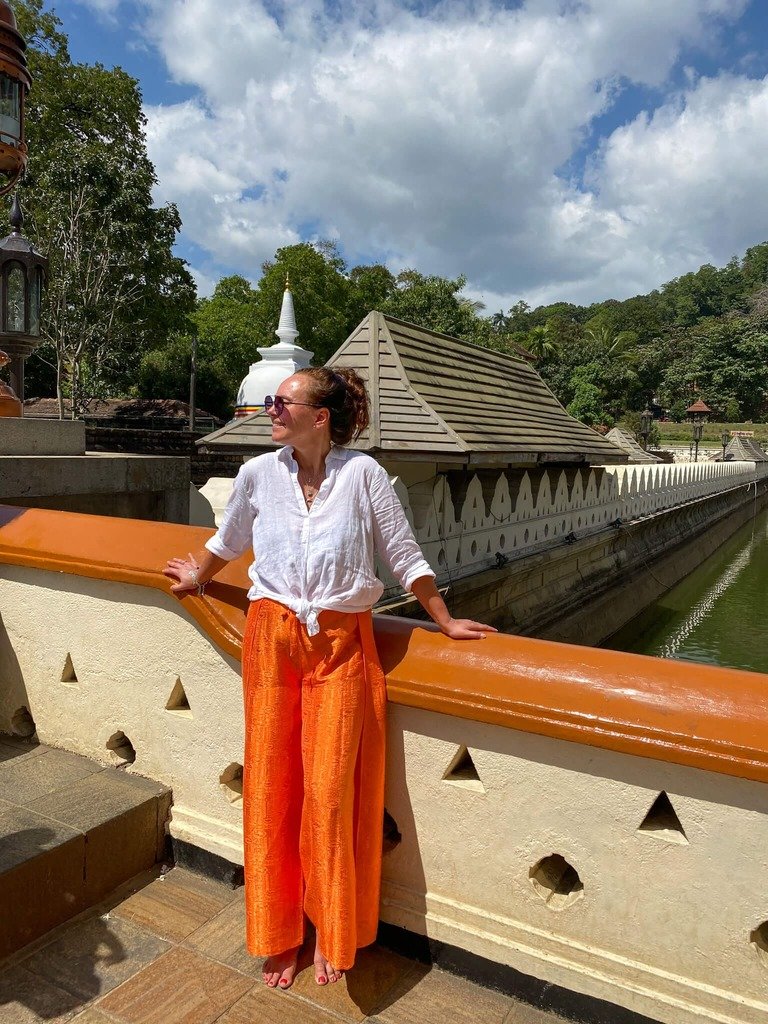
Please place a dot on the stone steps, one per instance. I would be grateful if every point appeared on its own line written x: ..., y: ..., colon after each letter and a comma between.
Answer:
x: 71, y: 831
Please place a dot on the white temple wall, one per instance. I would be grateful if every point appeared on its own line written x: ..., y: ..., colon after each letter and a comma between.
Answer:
x: 530, y: 511
x: 669, y: 918
x: 467, y: 522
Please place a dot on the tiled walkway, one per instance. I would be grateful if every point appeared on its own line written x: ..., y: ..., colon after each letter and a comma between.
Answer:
x: 169, y: 950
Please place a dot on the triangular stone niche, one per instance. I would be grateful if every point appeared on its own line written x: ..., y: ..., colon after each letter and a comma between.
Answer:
x: 68, y: 674
x: 662, y: 822
x: 178, y: 702
x: 462, y: 772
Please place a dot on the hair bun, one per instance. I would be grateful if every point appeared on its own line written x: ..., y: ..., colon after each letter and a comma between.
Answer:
x: 343, y: 392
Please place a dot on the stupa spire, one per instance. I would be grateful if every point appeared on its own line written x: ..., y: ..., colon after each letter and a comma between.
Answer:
x: 277, y: 361
x: 286, y: 328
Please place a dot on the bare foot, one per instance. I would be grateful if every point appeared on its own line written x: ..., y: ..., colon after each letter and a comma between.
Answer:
x: 325, y: 971
x: 279, y: 971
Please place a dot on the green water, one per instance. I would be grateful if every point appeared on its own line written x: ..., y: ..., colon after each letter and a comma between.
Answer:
x: 717, y: 615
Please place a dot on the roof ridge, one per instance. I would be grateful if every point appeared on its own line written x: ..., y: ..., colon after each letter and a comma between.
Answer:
x: 421, y: 402
x: 456, y: 341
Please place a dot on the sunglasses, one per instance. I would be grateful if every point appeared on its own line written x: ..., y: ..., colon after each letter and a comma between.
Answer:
x: 279, y: 403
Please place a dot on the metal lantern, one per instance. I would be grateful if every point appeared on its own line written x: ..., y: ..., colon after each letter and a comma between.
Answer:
x: 22, y: 277
x: 646, y: 419
x: 15, y: 82
x: 697, y: 414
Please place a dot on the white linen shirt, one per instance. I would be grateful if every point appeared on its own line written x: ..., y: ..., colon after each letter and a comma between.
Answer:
x: 321, y: 558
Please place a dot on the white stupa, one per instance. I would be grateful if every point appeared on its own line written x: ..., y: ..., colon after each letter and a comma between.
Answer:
x: 277, y: 362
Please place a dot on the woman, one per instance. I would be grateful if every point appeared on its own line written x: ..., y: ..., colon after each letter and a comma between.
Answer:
x: 313, y: 778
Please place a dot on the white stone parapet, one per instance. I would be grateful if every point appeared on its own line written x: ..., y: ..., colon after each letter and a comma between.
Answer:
x: 516, y: 514
x: 524, y: 513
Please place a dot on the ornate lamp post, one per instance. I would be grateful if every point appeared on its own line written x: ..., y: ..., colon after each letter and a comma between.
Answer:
x: 22, y: 276
x: 15, y: 82
x: 697, y: 414
x: 646, y: 419
x: 22, y: 269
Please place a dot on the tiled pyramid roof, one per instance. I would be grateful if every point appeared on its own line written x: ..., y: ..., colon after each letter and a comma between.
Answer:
x: 435, y: 397
x: 626, y: 441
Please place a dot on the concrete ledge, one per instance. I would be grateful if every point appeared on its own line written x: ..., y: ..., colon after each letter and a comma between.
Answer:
x: 41, y: 437
x: 132, y: 486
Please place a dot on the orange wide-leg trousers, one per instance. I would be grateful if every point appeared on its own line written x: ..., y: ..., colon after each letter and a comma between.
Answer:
x: 313, y: 781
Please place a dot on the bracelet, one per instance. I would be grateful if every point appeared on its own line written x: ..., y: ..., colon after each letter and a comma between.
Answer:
x: 200, y: 586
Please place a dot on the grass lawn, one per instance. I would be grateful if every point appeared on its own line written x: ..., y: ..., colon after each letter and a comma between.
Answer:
x: 677, y: 434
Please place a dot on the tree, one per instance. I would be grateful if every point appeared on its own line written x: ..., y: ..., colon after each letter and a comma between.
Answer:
x: 587, y: 405
x: 499, y: 322
x: 229, y: 331
x: 321, y: 293
x: 165, y: 373
x: 519, y: 317
x: 435, y: 303
x: 725, y: 361
x: 754, y: 266
x: 540, y: 343
x: 606, y: 345
x: 115, y: 288
x: 370, y: 288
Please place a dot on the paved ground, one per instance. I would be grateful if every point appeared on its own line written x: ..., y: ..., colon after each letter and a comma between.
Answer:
x: 169, y: 950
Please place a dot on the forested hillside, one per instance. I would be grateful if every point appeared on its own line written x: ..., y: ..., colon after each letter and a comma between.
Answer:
x: 704, y: 334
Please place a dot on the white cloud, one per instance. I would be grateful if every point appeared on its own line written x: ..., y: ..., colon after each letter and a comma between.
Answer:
x: 433, y: 140
x: 106, y: 9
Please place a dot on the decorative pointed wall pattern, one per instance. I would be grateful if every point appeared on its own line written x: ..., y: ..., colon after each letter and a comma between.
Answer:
x: 68, y: 674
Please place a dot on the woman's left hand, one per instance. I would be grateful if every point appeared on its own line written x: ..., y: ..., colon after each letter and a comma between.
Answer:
x: 466, y: 629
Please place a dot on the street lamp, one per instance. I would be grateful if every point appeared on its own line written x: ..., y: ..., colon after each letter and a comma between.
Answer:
x: 20, y: 280
x: 725, y: 439
x: 22, y: 276
x: 15, y: 82
x: 697, y: 414
x: 646, y: 419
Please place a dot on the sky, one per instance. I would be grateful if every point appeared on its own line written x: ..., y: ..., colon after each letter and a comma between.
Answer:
x: 550, y: 150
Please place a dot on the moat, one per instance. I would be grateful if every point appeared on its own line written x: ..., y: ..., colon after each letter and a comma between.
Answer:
x: 716, y: 614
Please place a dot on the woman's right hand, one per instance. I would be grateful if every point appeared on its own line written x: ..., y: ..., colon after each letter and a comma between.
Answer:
x: 185, y: 571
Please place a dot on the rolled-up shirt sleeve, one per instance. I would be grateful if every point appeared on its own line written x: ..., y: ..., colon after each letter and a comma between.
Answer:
x: 235, y: 535
x: 393, y: 538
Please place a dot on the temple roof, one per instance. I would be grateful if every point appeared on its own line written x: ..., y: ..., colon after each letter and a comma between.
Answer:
x: 438, y: 398
x: 698, y: 407
x: 742, y: 449
x: 626, y: 441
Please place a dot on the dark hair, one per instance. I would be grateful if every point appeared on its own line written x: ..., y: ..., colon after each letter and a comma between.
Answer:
x: 342, y: 392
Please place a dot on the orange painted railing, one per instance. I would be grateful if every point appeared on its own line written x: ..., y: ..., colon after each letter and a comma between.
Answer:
x: 704, y: 717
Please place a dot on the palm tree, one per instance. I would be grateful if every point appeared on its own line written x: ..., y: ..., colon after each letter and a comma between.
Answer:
x: 474, y: 306
x: 539, y: 342
x: 609, y: 346
x: 499, y: 321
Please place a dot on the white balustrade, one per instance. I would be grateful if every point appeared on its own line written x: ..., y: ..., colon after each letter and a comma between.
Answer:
x: 530, y: 511
x: 525, y: 512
